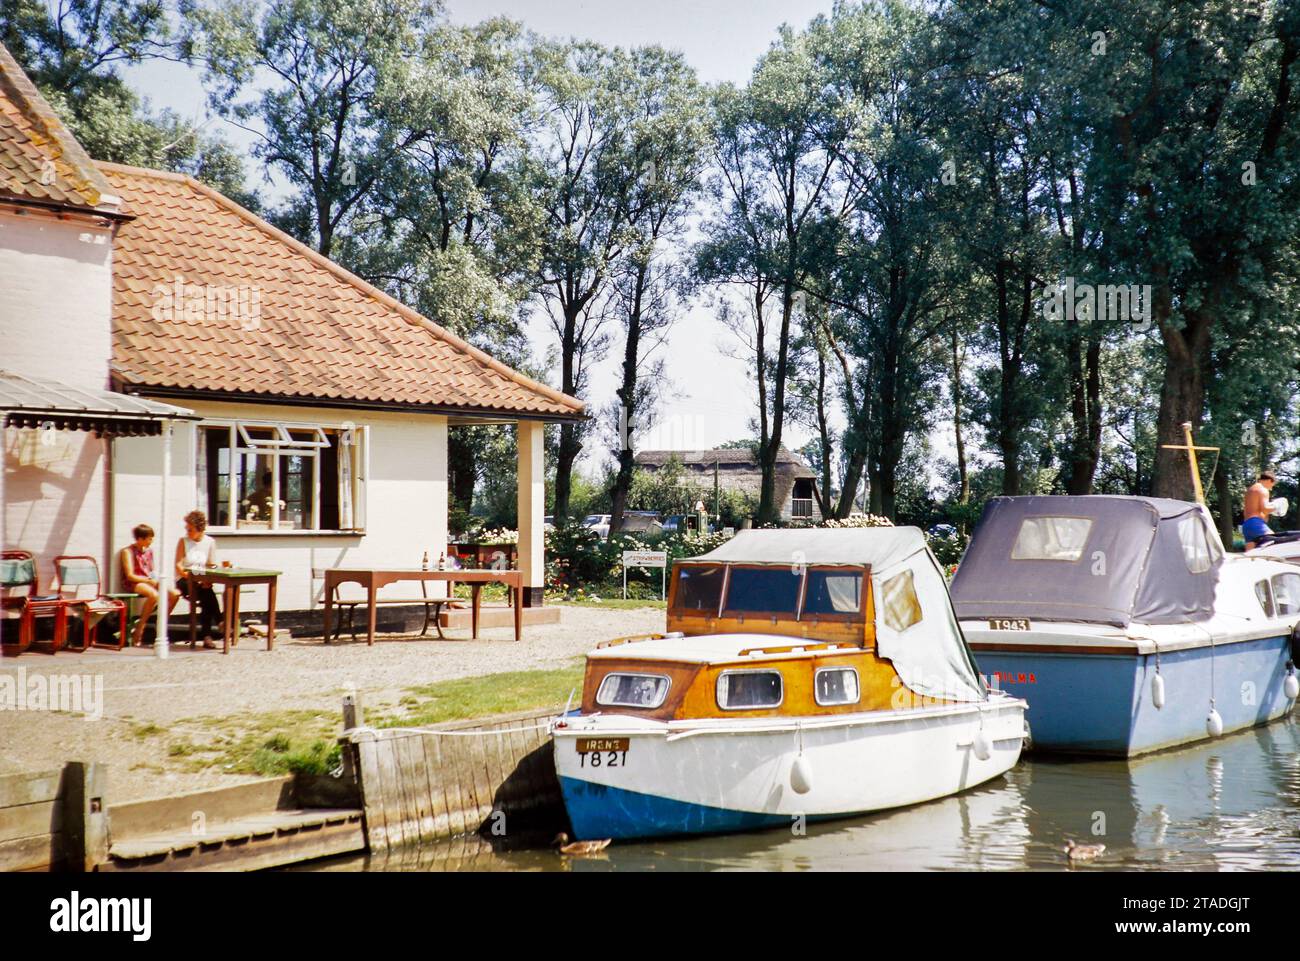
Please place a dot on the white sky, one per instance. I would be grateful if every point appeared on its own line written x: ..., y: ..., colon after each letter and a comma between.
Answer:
x: 711, y: 398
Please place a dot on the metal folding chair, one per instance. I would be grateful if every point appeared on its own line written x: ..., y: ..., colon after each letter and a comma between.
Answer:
x: 72, y: 575
x: 18, y: 570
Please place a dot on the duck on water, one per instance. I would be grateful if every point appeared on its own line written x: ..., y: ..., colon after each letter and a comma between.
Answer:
x: 806, y: 674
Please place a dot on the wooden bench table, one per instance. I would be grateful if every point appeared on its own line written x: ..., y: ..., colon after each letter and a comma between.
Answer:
x: 372, y: 579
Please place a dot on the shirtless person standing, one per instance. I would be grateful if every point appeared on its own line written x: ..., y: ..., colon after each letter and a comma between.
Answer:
x: 1254, y: 524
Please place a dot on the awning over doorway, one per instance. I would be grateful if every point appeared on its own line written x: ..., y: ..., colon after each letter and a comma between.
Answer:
x: 36, y: 402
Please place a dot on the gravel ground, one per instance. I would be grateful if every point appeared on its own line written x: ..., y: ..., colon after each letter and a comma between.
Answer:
x: 140, y: 688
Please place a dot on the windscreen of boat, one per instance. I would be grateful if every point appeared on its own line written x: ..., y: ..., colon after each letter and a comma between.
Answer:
x: 699, y: 588
x: 833, y: 593
x: 1090, y: 559
x: 764, y: 590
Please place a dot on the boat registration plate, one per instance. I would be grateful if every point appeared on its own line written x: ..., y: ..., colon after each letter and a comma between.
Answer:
x: 1008, y: 623
x: 603, y: 751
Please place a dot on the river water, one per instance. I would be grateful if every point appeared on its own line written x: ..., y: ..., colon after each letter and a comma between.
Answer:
x: 1230, y: 804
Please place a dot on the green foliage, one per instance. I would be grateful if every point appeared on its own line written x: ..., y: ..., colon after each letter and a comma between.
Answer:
x: 74, y: 51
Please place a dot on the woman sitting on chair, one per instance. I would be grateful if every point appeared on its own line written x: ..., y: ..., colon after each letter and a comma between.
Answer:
x: 139, y: 574
x: 196, y: 551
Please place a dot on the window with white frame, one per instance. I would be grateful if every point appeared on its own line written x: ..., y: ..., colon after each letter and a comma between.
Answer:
x: 255, y: 476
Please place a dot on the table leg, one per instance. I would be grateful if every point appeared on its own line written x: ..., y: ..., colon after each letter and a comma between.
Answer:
x: 370, y: 599
x: 518, y: 594
x: 329, y: 607
x: 194, y: 609
x: 476, y: 590
x: 232, y: 617
x: 270, y: 613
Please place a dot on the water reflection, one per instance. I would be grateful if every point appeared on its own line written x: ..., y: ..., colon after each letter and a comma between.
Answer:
x: 1233, y: 804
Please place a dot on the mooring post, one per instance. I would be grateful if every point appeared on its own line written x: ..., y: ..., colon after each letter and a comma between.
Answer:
x: 352, y: 712
x: 353, y: 717
x: 85, y: 816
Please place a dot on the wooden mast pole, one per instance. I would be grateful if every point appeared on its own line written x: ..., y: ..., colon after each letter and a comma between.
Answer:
x: 1191, y: 449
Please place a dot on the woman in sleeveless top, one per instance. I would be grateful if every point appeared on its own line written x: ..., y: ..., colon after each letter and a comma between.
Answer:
x: 198, y: 550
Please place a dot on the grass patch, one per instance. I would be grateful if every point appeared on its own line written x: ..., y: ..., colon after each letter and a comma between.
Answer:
x: 306, y: 741
x: 616, y: 603
x: 471, y: 697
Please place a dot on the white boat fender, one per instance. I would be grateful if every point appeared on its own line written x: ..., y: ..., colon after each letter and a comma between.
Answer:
x: 1213, y: 723
x: 1291, y: 686
x: 801, y: 775
x: 982, y: 746
x: 1158, y: 691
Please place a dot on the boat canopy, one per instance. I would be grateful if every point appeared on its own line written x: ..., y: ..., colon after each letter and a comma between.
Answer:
x: 1093, y: 559
x: 915, y: 625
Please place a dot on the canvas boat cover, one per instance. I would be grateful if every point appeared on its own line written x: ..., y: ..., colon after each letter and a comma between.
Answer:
x: 916, y: 628
x: 1093, y: 559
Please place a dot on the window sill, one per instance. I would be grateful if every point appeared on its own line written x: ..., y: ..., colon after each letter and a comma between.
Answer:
x: 246, y: 532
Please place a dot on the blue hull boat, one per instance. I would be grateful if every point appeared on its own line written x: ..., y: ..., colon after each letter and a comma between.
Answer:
x: 1103, y: 703
x: 1124, y: 624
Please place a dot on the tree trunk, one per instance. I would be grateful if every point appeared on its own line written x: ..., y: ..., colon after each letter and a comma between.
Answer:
x: 627, y: 397
x: 1223, y: 494
x: 570, y: 448
x: 963, y: 473
x: 570, y: 441
x: 1182, y: 400
x: 462, y: 467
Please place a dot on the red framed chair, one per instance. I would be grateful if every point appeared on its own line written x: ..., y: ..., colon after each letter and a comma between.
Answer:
x: 17, y: 571
x: 73, y: 574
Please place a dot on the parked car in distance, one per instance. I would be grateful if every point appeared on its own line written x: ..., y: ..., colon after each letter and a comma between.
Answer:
x: 642, y: 522
x: 598, y: 523
x: 942, y: 530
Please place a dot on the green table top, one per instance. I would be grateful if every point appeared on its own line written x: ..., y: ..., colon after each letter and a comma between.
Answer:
x: 235, y: 572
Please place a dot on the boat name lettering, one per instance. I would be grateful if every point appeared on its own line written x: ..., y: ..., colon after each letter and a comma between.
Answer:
x: 591, y: 745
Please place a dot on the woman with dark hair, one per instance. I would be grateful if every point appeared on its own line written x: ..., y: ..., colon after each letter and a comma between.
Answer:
x: 139, y: 573
x: 196, y: 551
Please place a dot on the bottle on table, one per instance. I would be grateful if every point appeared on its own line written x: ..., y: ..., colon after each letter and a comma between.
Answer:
x: 442, y: 562
x: 424, y: 562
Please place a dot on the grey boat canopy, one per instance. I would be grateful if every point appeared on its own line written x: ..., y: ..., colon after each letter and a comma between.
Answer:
x: 1092, y: 559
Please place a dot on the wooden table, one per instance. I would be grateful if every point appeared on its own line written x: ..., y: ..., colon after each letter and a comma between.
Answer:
x: 373, y: 579
x: 232, y: 579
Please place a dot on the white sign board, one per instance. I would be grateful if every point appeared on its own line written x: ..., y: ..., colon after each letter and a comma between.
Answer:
x: 657, y: 559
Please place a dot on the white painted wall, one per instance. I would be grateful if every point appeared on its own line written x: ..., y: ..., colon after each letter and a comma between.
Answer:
x: 406, y: 510
x: 55, y: 304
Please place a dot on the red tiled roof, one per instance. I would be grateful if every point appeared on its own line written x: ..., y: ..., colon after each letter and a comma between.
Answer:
x: 210, y: 299
x: 40, y: 161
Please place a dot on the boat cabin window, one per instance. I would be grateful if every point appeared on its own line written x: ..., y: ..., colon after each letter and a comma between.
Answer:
x: 1196, y: 546
x: 699, y: 588
x: 763, y: 590
x: 901, y: 605
x: 633, y: 690
x: 836, y: 685
x: 1265, y: 595
x: 741, y: 690
x: 1286, y: 593
x: 1051, y: 539
x: 832, y: 592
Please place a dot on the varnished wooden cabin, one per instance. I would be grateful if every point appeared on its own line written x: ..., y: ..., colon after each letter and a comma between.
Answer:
x: 789, y: 623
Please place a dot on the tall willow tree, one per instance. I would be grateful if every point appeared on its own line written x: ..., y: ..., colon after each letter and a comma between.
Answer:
x: 777, y: 146
x: 315, y: 69
x: 669, y: 135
